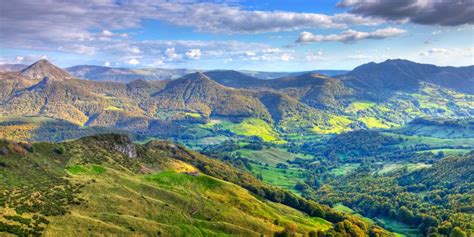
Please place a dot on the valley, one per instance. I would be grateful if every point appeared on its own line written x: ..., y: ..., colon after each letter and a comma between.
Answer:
x: 300, y: 155
x: 223, y: 118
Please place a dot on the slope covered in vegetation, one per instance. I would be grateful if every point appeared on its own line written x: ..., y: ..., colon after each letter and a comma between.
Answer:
x: 106, y: 184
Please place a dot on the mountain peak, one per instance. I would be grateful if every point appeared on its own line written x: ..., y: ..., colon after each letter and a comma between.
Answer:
x: 43, y: 68
x: 197, y: 76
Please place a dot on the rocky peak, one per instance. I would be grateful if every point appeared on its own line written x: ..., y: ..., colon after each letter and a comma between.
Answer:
x: 44, y: 69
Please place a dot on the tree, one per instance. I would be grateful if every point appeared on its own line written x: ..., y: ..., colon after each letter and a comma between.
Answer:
x: 457, y: 232
x: 405, y: 215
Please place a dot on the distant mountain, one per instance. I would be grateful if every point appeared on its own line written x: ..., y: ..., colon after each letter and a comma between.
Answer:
x: 43, y: 69
x: 313, y: 89
x: 304, y: 104
x: 146, y: 107
x: 404, y: 75
x: 273, y: 75
x: 12, y: 67
x: 197, y: 93
x: 235, y: 79
x: 99, y: 73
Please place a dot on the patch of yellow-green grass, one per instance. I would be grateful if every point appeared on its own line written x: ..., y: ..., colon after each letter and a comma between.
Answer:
x: 345, y: 209
x: 255, y: 127
x: 342, y: 208
x: 108, y: 97
x: 359, y: 105
x: 372, y: 122
x: 113, y: 108
x: 337, y: 124
x: 168, y: 203
x: 392, y: 167
x: 282, y: 178
x: 344, y: 169
x: 193, y: 114
x: 448, y: 151
x: 382, y: 108
x: 271, y: 156
x: 398, y: 228
x: 211, y: 124
x: 85, y: 170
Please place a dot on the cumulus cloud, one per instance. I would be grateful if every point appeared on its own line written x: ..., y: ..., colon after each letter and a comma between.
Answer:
x: 427, y: 12
x: 133, y: 61
x: 350, y: 35
x: 193, y: 53
x: 171, y: 54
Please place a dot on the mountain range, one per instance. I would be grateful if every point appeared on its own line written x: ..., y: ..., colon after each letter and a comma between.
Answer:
x: 304, y: 104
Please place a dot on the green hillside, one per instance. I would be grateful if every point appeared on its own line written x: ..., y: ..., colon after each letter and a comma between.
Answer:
x: 106, y: 184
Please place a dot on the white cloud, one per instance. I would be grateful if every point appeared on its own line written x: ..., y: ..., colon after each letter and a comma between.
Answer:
x: 351, y: 35
x: 171, y: 54
x: 250, y: 53
x: 19, y: 59
x: 107, y: 63
x: 133, y: 61
x: 193, y: 53
x: 271, y: 50
x: 107, y: 33
x: 286, y: 57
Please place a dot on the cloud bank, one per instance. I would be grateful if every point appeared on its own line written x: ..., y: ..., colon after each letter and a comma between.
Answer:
x: 426, y: 12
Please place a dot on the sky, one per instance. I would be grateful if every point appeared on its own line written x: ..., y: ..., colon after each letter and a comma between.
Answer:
x: 263, y: 35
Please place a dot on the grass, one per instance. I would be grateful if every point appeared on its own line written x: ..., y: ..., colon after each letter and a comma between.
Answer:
x: 359, y: 105
x: 372, y: 122
x: 173, y: 203
x: 160, y: 199
x: 344, y: 169
x: 283, y: 178
x: 399, y: 228
x: 392, y: 167
x: 113, y: 108
x: 345, y: 209
x: 172, y: 178
x: 253, y: 127
x: 271, y: 156
x: 86, y: 170
x: 466, y: 143
x: 193, y: 114
x: 448, y: 151
x: 337, y: 124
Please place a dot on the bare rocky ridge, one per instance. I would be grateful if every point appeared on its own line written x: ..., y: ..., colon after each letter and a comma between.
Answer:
x: 43, y: 68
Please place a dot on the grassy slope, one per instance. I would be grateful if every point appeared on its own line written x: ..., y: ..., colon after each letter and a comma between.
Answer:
x: 174, y: 203
x: 113, y: 194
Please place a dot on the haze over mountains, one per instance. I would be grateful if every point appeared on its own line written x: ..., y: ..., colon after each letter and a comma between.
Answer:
x: 103, y: 73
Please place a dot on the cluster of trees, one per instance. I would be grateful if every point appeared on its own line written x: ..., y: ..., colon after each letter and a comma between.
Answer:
x: 438, y: 200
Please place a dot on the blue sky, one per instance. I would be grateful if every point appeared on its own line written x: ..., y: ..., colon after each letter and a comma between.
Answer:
x: 256, y: 35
